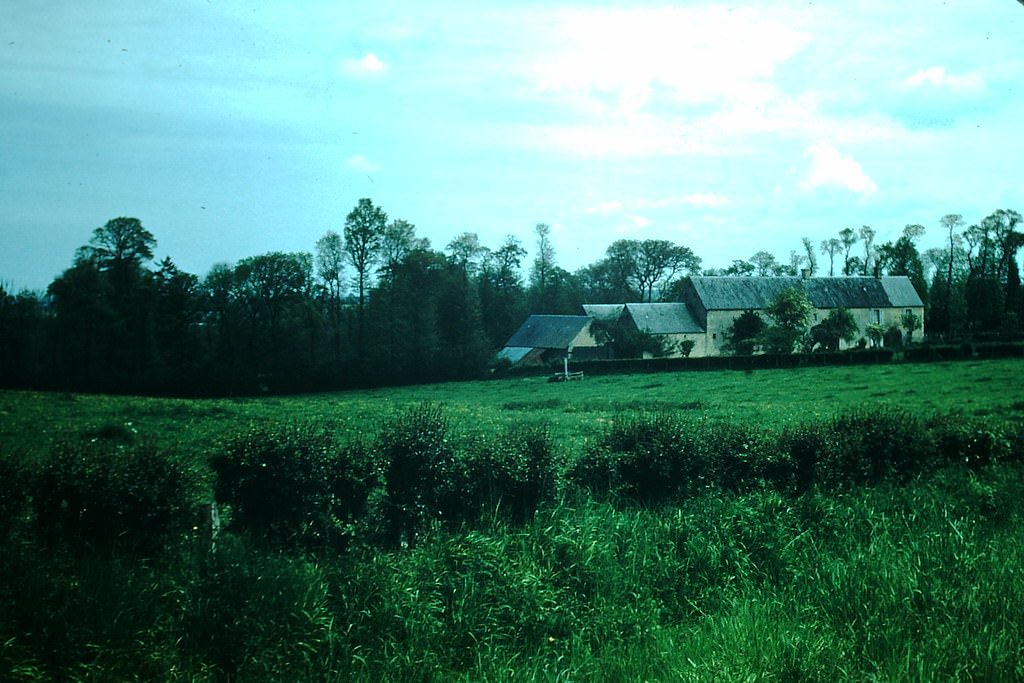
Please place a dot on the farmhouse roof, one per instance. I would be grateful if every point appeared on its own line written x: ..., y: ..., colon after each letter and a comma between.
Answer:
x: 549, y: 331
x: 603, y: 311
x: 664, y: 318
x: 751, y: 293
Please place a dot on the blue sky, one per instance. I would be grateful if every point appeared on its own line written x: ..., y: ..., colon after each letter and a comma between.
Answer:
x: 234, y: 129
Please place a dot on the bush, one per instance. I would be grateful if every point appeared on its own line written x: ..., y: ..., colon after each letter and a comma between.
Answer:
x: 418, y: 461
x: 971, y: 442
x: 513, y: 472
x: 875, y: 444
x: 643, y: 458
x: 294, y: 486
x: 97, y: 494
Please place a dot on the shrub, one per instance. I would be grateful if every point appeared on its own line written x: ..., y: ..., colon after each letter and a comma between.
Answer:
x: 514, y: 472
x: 874, y: 444
x: 644, y: 458
x: 803, y: 446
x: 97, y: 494
x: 971, y: 442
x: 294, y: 486
x: 735, y: 455
x: 418, y: 459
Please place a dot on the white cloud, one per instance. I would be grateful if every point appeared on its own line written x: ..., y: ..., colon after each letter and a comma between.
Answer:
x: 640, y: 221
x: 621, y: 56
x: 705, y: 199
x: 360, y: 164
x: 829, y: 167
x: 605, y: 208
x: 367, y: 66
x: 937, y: 76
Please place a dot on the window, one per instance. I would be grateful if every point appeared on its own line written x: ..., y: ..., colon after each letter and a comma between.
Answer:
x: 876, y: 316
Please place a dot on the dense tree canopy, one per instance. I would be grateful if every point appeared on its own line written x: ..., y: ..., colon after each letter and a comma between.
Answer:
x: 373, y: 303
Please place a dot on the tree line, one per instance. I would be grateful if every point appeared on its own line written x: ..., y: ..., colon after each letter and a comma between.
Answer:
x: 376, y: 304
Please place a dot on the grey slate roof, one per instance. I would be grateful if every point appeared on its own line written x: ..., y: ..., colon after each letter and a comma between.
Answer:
x: 548, y: 331
x: 752, y: 293
x: 603, y: 311
x: 664, y: 318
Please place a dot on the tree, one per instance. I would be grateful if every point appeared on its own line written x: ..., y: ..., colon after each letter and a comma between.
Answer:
x: 838, y: 327
x: 364, y: 230
x: 467, y: 252
x: 830, y: 248
x: 951, y: 222
x: 910, y: 322
x: 120, y: 248
x: 765, y: 264
x: 867, y: 235
x: 740, y: 269
x: 330, y: 263
x: 741, y: 337
x: 902, y: 258
x: 847, y: 238
x: 791, y: 310
x: 398, y: 240
x: 812, y: 259
x: 658, y: 262
x: 540, y: 274
x: 502, y: 300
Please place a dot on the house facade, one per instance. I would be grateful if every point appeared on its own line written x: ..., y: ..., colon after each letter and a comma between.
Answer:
x: 716, y: 302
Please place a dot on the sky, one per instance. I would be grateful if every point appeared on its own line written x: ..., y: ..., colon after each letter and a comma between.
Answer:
x: 234, y: 129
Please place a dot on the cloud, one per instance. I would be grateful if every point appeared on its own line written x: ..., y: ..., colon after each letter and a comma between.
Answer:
x: 367, y: 66
x: 937, y: 76
x: 829, y: 167
x: 639, y: 221
x: 619, y: 59
x: 360, y: 164
x: 605, y: 208
x: 705, y: 199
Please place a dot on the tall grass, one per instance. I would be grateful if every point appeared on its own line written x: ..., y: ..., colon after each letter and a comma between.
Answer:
x: 871, y: 544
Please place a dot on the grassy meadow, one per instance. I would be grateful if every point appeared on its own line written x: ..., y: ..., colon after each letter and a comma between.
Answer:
x: 574, y: 411
x: 813, y: 524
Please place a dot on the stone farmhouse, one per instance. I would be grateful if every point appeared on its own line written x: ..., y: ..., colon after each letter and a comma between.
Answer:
x: 708, y: 309
x: 716, y: 302
x: 546, y: 339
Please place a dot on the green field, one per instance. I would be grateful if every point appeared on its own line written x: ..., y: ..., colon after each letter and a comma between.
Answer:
x: 907, y: 572
x: 575, y: 411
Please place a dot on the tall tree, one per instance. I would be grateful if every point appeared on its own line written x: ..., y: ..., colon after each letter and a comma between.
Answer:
x: 766, y: 265
x: 812, y: 258
x: 120, y: 248
x: 398, y: 240
x: 830, y: 248
x: 847, y: 238
x: 867, y: 236
x: 658, y: 262
x: 951, y: 222
x: 364, y: 230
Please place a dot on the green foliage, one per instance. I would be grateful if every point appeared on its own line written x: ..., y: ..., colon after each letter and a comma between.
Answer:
x: 838, y: 327
x: 246, y: 615
x: 98, y: 494
x: 294, y: 486
x: 743, y: 334
x: 512, y: 472
x: 417, y: 456
x: 791, y: 309
x: 778, y: 340
x: 875, y: 444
